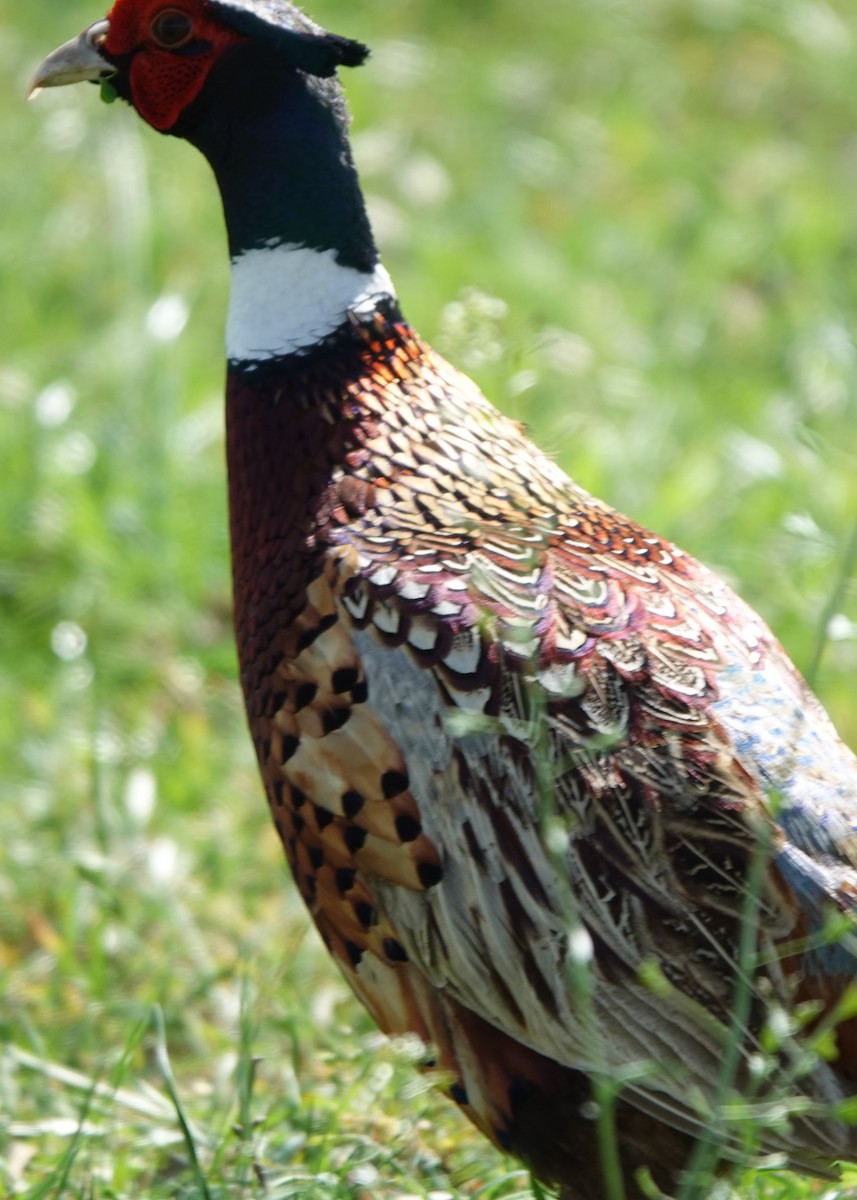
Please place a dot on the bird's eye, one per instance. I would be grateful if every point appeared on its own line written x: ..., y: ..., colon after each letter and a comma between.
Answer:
x: 171, y: 28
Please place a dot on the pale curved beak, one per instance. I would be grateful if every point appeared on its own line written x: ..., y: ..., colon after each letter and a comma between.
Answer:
x: 76, y: 61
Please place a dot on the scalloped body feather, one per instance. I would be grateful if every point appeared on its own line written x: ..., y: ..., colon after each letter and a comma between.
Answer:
x: 446, y: 566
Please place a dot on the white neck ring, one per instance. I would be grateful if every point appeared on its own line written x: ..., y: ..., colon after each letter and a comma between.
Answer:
x: 287, y: 298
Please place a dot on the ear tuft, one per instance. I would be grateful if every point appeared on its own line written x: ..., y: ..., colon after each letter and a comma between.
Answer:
x: 352, y: 54
x: 304, y: 44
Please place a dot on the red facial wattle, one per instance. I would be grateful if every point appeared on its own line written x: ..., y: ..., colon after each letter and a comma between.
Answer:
x: 171, y: 50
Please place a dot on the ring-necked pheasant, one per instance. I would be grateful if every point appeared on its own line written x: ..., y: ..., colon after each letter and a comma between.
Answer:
x: 623, y: 854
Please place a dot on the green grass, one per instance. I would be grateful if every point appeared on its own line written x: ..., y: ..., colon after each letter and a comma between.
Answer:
x: 634, y: 223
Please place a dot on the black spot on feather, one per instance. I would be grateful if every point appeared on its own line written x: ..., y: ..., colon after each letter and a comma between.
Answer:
x: 408, y: 828
x: 354, y: 838
x: 394, y: 950
x: 343, y: 679
x: 393, y: 783
x: 352, y: 802
x: 429, y: 874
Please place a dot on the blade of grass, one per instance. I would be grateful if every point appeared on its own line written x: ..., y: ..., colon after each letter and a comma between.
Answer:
x: 845, y: 575
x: 162, y: 1058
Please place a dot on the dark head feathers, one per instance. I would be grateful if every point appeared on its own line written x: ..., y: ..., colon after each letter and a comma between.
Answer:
x: 306, y: 45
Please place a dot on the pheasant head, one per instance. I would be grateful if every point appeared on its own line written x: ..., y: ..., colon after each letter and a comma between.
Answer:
x: 163, y: 59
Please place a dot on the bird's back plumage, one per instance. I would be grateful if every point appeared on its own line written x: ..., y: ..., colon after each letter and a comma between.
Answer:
x: 488, y: 660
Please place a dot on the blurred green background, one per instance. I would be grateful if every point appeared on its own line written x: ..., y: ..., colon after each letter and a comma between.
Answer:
x: 633, y: 222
